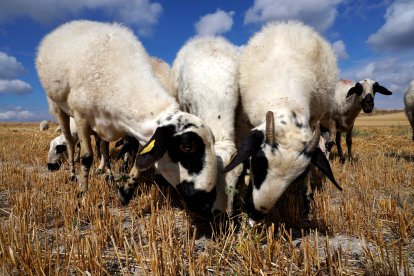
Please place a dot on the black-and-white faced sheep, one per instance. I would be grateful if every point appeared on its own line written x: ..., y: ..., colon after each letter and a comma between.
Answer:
x: 58, y: 151
x: 101, y: 75
x: 350, y: 99
x: 205, y: 74
x: 287, y: 80
x: 409, y: 104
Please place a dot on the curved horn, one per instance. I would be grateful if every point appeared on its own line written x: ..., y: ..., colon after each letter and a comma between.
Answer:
x: 315, y: 140
x: 270, y: 128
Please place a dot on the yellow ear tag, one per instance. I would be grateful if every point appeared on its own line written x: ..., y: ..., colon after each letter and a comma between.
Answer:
x: 148, y: 148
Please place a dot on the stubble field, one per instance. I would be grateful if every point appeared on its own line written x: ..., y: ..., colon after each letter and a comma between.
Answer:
x: 367, y: 229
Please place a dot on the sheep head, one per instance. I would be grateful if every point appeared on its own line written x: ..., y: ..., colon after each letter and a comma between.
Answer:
x: 183, y: 147
x: 277, y: 159
x: 366, y: 90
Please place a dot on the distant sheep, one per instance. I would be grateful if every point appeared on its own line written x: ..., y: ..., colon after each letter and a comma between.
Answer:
x: 350, y: 99
x: 44, y: 125
x: 58, y: 148
x: 409, y: 104
x: 101, y: 75
x: 205, y: 74
x: 58, y: 151
x: 287, y: 81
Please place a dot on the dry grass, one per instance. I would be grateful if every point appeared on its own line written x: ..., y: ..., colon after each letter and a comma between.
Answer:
x: 366, y: 229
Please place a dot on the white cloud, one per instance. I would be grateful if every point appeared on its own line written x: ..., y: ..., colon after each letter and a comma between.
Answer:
x: 14, y: 87
x: 10, y: 68
x: 340, y: 50
x: 398, y: 31
x: 16, y: 115
x: 216, y: 23
x: 395, y: 73
x: 320, y: 14
x: 142, y: 14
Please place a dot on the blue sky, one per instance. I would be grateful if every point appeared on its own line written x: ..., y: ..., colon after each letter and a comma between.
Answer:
x: 372, y: 39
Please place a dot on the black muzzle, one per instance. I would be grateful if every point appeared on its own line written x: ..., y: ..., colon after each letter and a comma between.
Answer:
x: 53, y: 166
x: 367, y: 103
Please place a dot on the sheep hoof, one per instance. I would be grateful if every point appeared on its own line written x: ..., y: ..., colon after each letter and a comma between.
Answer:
x: 125, y: 195
x: 342, y: 160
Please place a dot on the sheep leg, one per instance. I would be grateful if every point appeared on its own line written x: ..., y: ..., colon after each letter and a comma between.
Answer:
x: 126, y: 191
x: 63, y: 120
x: 349, y: 143
x: 339, y: 147
x: 104, y: 145
x: 332, y: 132
x: 84, y: 133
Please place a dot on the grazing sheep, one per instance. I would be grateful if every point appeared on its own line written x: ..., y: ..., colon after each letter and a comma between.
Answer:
x: 44, y: 125
x: 350, y: 99
x: 101, y: 75
x: 409, y: 104
x: 287, y: 80
x: 205, y: 74
x: 58, y: 150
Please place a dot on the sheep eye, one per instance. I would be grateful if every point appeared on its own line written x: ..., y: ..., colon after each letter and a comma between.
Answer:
x: 189, y: 147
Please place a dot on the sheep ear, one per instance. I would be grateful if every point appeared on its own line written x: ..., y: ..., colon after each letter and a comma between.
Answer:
x: 156, y: 147
x: 60, y: 148
x: 357, y: 89
x: 320, y: 161
x: 250, y: 145
x: 381, y: 89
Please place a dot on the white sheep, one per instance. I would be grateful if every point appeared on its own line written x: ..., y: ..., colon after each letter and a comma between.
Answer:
x: 350, y: 98
x: 287, y: 81
x: 58, y: 151
x: 44, y: 125
x: 58, y: 148
x: 409, y: 104
x: 101, y: 75
x: 205, y: 74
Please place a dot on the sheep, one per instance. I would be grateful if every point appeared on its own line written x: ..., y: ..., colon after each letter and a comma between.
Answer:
x: 409, y: 105
x: 44, y: 125
x: 57, y: 148
x: 205, y: 75
x: 100, y: 74
x: 287, y: 80
x: 350, y: 98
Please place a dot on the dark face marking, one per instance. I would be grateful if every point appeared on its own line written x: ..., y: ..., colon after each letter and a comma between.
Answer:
x: 60, y: 148
x: 188, y: 149
x: 249, y: 147
x: 259, y: 166
x: 196, y: 200
x: 357, y: 89
x: 367, y: 103
x: 53, y: 166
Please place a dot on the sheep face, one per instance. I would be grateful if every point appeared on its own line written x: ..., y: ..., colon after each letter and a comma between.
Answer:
x: 183, y: 147
x: 366, y: 90
x: 279, y: 153
x: 57, y: 153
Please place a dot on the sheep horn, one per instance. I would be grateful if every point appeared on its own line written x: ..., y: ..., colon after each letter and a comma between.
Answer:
x: 270, y: 128
x: 315, y: 140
